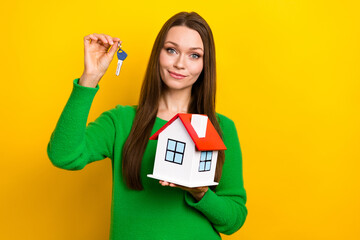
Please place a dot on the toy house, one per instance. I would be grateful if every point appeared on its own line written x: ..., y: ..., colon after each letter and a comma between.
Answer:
x: 187, y: 150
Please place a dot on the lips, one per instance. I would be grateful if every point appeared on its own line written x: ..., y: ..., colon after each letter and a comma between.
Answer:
x: 176, y: 75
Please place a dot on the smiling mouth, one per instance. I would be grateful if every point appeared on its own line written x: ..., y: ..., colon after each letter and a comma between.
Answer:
x: 176, y: 75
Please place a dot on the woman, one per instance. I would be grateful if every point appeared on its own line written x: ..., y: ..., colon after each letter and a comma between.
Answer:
x: 180, y: 77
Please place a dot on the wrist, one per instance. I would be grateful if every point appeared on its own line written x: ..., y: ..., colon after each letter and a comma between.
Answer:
x: 89, y: 80
x: 199, y: 195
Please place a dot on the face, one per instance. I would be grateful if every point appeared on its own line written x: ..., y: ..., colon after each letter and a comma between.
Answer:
x: 181, y: 58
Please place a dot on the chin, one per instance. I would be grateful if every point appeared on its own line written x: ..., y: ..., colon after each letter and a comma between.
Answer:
x: 175, y: 86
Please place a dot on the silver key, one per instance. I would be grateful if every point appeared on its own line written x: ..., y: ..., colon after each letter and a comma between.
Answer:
x: 121, y: 54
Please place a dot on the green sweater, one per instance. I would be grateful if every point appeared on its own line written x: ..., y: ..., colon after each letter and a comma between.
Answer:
x: 156, y: 212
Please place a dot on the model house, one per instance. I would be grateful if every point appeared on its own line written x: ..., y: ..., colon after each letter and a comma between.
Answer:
x: 186, y: 152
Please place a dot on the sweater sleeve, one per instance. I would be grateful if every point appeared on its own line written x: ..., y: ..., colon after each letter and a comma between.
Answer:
x: 72, y: 144
x: 225, y: 206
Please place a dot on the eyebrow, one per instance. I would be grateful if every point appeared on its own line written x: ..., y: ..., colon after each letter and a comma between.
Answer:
x: 194, y: 48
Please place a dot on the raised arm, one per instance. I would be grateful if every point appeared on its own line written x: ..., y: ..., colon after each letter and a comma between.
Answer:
x: 73, y: 145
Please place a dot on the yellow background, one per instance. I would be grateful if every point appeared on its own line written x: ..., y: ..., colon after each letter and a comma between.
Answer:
x: 288, y: 75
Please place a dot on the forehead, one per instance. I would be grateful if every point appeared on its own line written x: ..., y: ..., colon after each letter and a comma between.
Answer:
x: 184, y: 37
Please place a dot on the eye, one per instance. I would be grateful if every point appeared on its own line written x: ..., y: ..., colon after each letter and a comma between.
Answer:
x: 170, y: 50
x: 195, y: 55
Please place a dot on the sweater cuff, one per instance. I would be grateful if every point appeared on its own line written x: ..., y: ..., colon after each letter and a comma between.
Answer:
x: 82, y: 97
x: 205, y: 202
x: 84, y: 94
x: 88, y: 89
x: 211, y: 205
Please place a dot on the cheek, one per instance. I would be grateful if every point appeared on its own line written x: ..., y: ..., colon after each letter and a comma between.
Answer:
x: 164, y: 60
x: 196, y: 68
x: 161, y: 59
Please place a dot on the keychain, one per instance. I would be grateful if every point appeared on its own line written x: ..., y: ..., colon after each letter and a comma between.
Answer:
x: 121, y: 54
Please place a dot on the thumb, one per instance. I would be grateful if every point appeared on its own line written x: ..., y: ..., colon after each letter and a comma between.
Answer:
x: 113, y: 49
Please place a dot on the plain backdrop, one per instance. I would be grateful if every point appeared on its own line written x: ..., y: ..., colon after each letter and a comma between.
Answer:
x: 288, y: 75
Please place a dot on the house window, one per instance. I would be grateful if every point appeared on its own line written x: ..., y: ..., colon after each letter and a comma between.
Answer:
x: 175, y: 151
x: 205, y: 161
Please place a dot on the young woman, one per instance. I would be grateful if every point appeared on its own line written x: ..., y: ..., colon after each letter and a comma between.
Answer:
x: 180, y: 78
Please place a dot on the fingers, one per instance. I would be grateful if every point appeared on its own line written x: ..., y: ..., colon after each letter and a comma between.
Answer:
x: 113, y: 49
x: 90, y: 38
x: 164, y: 183
x: 102, y: 38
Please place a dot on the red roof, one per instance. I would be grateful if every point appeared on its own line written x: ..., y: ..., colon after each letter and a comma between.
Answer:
x: 211, y: 141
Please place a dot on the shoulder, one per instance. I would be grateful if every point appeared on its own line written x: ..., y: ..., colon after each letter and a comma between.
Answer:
x: 224, y: 121
x: 229, y: 132
x: 227, y: 126
x: 122, y: 113
x: 128, y: 110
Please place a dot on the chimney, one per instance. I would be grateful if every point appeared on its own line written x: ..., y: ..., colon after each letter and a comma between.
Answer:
x: 199, y: 123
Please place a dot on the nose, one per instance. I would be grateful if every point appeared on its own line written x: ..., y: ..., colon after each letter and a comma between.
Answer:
x: 179, y: 62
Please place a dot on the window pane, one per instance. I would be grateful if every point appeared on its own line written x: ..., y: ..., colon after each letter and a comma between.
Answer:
x: 209, y: 155
x: 203, y: 156
x: 171, y: 145
x: 178, y: 158
x: 202, y: 166
x: 169, y: 156
x: 180, y: 147
x: 207, y: 166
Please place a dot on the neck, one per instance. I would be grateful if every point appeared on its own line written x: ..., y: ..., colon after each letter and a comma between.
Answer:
x: 173, y: 102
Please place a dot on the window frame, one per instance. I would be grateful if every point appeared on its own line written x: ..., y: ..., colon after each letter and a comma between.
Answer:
x: 205, y: 160
x: 175, y: 151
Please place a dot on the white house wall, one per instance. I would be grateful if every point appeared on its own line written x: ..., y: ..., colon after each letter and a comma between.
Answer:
x: 203, y: 177
x: 170, y: 170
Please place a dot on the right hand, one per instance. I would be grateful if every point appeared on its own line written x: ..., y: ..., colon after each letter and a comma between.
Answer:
x: 97, y: 57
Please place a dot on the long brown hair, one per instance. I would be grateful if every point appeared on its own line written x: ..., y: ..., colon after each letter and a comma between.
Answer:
x: 202, y: 97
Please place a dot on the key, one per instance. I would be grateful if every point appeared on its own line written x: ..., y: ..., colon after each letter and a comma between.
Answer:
x: 121, y: 54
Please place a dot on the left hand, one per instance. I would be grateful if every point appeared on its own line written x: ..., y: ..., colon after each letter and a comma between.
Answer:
x: 197, y: 192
